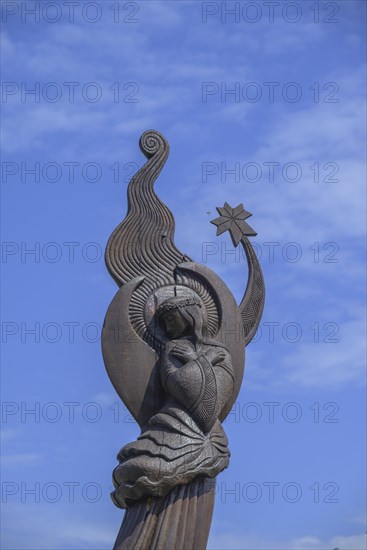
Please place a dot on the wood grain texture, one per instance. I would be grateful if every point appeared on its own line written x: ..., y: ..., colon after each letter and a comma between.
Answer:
x: 173, y: 344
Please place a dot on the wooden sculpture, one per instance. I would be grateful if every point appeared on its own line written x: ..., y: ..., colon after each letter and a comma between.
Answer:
x: 174, y: 347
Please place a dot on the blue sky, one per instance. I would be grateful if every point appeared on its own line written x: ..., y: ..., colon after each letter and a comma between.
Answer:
x: 264, y: 111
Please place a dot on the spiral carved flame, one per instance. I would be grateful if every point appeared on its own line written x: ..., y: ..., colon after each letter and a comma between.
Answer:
x: 143, y: 242
x: 143, y: 245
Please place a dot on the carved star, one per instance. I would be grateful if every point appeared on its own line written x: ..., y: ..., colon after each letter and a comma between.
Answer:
x: 233, y: 220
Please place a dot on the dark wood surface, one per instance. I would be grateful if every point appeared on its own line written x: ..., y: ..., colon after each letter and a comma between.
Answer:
x: 173, y: 344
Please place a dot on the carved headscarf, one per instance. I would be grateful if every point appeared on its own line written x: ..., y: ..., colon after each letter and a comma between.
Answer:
x: 192, y: 311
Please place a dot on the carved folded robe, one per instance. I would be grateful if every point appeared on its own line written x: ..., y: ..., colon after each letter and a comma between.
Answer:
x: 185, y: 439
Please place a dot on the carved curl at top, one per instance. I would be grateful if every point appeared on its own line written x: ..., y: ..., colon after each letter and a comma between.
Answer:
x: 151, y: 142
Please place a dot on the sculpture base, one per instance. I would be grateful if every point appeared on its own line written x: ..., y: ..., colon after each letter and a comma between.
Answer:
x: 177, y: 521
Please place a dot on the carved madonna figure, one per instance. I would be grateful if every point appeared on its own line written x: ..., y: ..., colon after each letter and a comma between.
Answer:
x: 177, y: 364
x: 184, y: 439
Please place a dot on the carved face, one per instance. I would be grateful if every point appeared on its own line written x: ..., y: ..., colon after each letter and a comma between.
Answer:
x: 174, y: 324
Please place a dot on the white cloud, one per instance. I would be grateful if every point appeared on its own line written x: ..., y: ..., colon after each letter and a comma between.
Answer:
x: 310, y: 364
x: 333, y: 364
x: 7, y: 434
x: 105, y: 399
x: 238, y: 542
x: 49, y: 528
x: 20, y: 459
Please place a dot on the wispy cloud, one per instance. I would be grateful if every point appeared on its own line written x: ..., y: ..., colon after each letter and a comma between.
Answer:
x: 49, y: 528
x: 20, y: 459
x: 233, y: 542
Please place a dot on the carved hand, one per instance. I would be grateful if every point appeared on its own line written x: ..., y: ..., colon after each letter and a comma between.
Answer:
x: 181, y: 350
x: 215, y: 355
